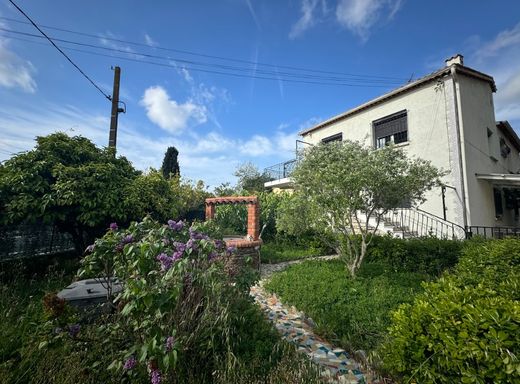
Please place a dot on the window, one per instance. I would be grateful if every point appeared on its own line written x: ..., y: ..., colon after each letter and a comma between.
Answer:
x: 330, y: 139
x: 491, y: 145
x: 499, y: 208
x: 391, y: 129
x: 505, y: 150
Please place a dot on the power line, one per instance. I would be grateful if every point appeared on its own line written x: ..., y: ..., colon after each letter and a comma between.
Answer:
x: 330, y: 81
x: 209, y: 56
x: 241, y: 75
x: 210, y: 65
x: 59, y: 49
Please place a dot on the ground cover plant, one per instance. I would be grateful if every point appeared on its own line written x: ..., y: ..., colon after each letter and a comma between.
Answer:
x: 465, y: 327
x: 356, y: 312
x: 279, y: 252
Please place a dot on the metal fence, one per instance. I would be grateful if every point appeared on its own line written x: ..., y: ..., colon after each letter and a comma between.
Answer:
x: 281, y: 170
x: 31, y: 240
x: 492, y: 232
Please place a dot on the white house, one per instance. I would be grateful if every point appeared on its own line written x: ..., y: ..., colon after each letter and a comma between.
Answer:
x: 446, y: 117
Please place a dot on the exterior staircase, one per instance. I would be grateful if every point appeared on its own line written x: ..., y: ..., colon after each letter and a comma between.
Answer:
x: 414, y: 222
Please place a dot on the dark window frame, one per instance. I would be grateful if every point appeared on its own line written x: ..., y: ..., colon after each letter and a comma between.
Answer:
x: 385, y: 132
x: 330, y: 139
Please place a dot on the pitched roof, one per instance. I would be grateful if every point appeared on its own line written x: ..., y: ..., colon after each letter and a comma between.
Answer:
x: 510, y: 133
x: 405, y: 88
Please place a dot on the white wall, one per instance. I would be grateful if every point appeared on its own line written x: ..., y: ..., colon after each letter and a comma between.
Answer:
x: 427, y: 135
x: 477, y: 115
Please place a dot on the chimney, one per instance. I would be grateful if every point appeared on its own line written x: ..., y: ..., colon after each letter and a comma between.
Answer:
x: 457, y: 59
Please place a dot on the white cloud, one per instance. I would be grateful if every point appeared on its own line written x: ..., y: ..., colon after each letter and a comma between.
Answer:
x: 151, y: 42
x: 167, y: 113
x: 308, y: 18
x: 500, y: 57
x: 14, y: 71
x: 360, y: 16
x: 253, y: 13
x: 257, y: 146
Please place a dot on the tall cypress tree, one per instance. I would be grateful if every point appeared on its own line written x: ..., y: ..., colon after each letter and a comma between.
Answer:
x: 170, y: 165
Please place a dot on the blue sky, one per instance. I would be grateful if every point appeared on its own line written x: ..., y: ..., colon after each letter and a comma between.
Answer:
x: 220, y: 121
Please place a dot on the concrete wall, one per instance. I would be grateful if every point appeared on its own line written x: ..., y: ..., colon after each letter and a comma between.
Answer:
x: 482, y: 154
x: 428, y: 136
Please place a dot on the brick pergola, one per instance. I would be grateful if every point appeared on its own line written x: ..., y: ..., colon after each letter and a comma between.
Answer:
x: 253, y: 218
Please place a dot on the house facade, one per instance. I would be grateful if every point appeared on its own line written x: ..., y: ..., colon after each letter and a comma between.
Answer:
x: 448, y: 118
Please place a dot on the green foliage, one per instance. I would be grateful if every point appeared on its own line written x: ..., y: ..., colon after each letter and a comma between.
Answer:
x: 353, y: 312
x: 232, y: 218
x: 191, y: 198
x: 278, y: 252
x: 465, y: 327
x: 337, y: 181
x: 250, y: 179
x: 428, y: 255
x: 170, y: 165
x: 67, y: 181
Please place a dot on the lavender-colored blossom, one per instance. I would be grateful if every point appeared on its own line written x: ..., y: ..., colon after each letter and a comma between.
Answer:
x: 231, y: 250
x: 127, y: 239
x: 74, y: 330
x: 212, y: 255
x: 169, y: 343
x: 220, y: 244
x: 90, y: 248
x: 165, y: 260
x: 191, y: 244
x: 176, y: 226
x: 155, y: 376
x: 180, y: 247
x: 130, y: 363
x: 113, y: 226
x: 166, y: 242
x: 119, y: 247
x: 195, y: 235
x: 176, y: 256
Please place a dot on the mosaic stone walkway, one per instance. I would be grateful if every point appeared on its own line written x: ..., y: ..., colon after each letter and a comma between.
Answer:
x: 297, y: 329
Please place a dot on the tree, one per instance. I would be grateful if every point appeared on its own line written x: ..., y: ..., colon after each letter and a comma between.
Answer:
x: 69, y: 182
x: 250, y: 178
x: 170, y: 165
x: 342, y: 182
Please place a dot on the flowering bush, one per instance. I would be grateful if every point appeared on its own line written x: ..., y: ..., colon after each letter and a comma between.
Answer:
x: 176, y: 308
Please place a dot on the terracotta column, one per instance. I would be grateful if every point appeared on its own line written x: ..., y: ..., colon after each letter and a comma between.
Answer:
x: 253, y: 221
x: 210, y: 211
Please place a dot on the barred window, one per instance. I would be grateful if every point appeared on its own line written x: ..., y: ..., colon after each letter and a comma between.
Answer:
x: 391, y: 129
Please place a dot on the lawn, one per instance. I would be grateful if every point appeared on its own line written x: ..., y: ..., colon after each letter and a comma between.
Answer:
x: 353, y: 313
x: 273, y: 252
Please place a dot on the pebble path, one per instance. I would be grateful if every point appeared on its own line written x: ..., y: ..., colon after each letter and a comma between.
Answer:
x: 296, y: 328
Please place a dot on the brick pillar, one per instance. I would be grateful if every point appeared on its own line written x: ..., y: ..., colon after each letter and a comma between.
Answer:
x: 253, y: 220
x: 210, y: 211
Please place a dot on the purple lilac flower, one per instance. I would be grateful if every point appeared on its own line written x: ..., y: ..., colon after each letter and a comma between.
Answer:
x: 113, y: 226
x: 119, y: 247
x: 212, y: 255
x: 130, y: 363
x: 165, y: 260
x: 90, y: 248
x: 74, y: 330
x: 195, y: 235
x: 176, y: 226
x: 155, y: 376
x: 176, y: 256
x: 220, y: 244
x: 169, y: 343
x: 231, y: 250
x: 180, y: 247
x: 191, y: 244
x: 127, y: 239
x: 166, y: 242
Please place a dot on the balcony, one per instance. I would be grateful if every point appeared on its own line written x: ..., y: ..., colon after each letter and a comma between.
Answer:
x: 280, y: 174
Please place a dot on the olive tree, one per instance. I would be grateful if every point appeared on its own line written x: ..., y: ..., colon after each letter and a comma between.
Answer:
x: 345, y: 185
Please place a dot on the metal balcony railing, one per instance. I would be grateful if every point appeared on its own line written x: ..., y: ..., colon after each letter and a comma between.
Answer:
x: 281, y: 170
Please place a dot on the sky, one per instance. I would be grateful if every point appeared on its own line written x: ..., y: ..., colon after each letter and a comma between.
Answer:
x: 233, y: 81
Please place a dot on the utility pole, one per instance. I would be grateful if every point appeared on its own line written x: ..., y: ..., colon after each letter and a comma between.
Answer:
x: 115, y: 109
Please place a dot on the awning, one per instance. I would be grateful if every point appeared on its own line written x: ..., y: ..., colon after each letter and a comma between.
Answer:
x: 501, y: 179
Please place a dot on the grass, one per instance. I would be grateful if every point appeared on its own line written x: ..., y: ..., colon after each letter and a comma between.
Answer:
x: 353, y: 313
x: 273, y: 252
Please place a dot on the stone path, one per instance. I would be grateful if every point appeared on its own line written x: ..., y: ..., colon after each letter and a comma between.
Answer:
x: 297, y: 329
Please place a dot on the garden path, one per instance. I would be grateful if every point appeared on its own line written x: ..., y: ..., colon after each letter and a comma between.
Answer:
x: 297, y: 329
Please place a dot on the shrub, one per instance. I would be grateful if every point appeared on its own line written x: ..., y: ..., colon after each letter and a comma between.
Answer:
x: 353, y: 312
x: 428, y: 255
x: 465, y: 327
